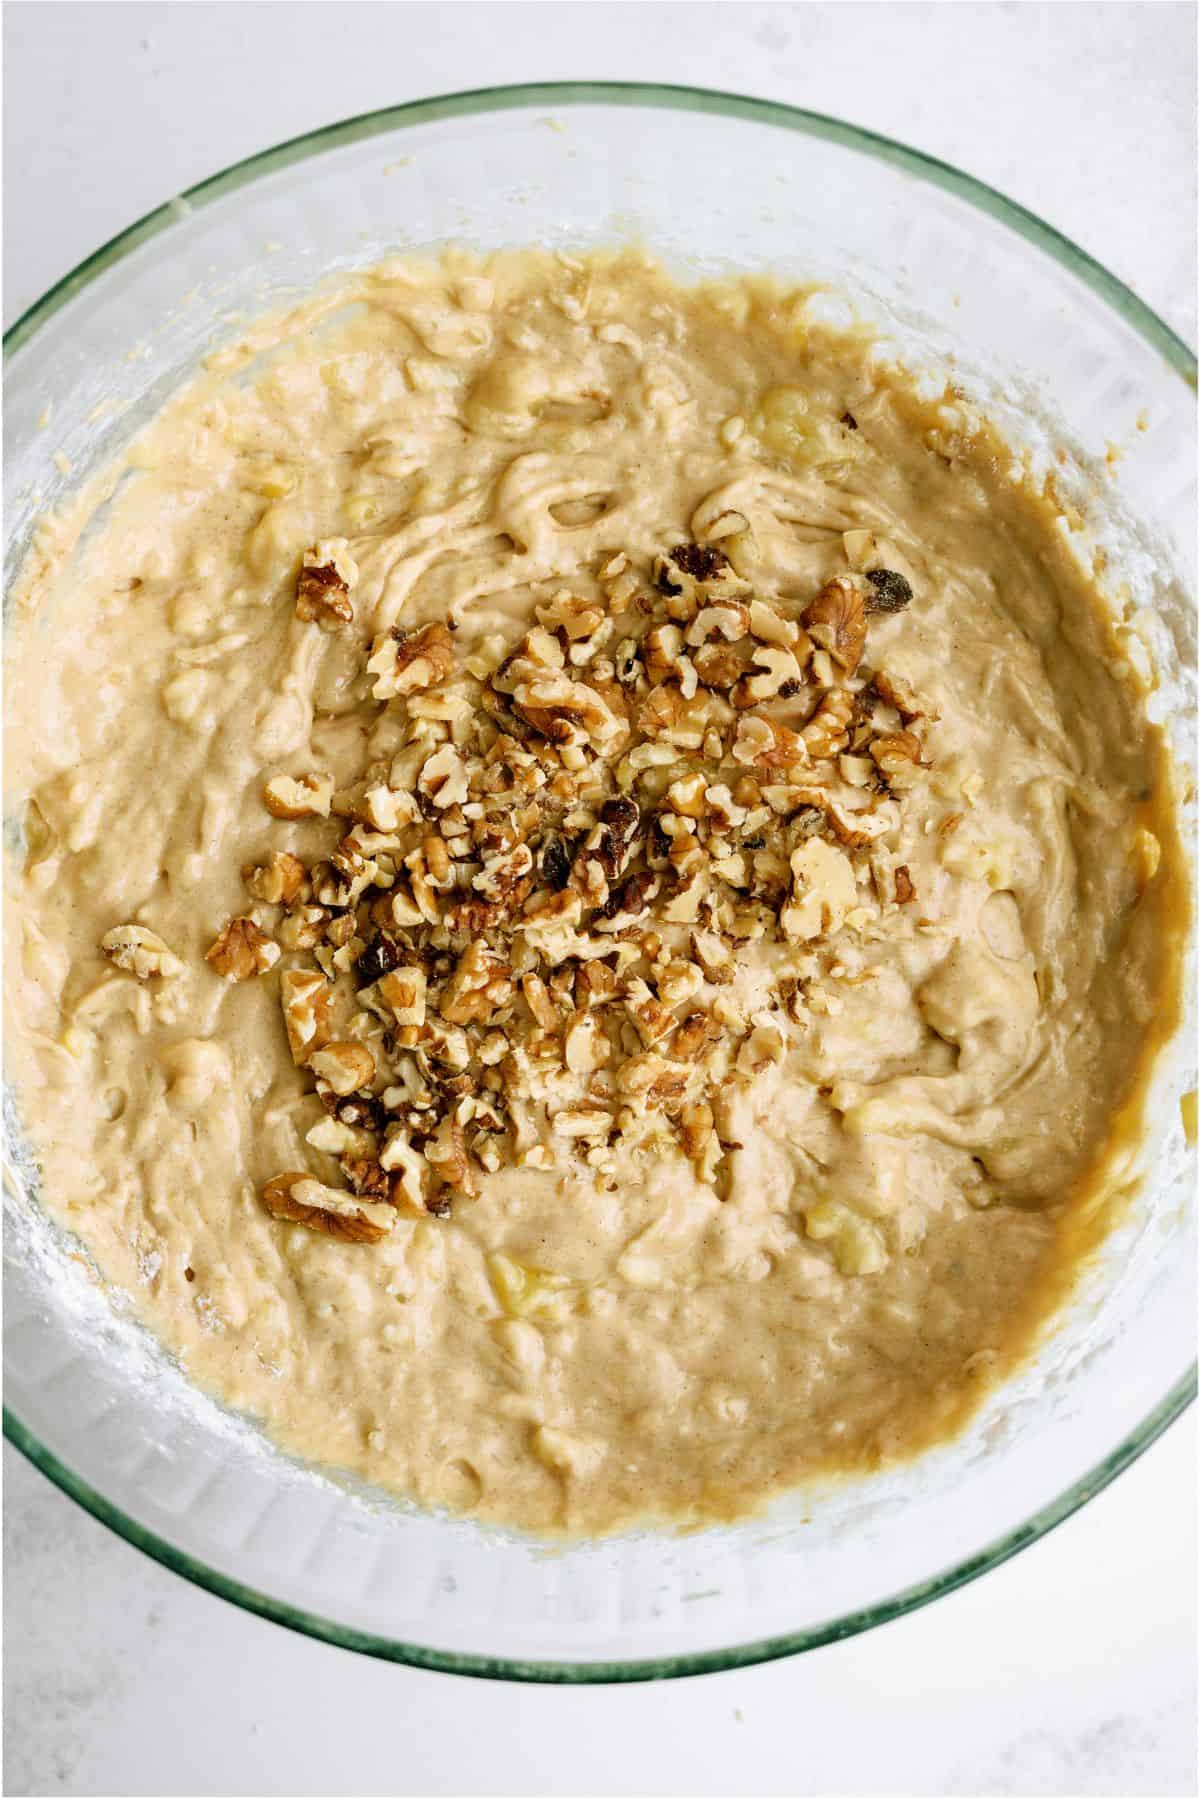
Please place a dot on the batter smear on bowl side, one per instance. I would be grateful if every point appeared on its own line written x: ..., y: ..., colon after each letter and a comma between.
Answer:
x: 597, y: 897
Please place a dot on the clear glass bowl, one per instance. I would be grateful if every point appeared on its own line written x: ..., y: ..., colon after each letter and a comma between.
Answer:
x: 1070, y: 358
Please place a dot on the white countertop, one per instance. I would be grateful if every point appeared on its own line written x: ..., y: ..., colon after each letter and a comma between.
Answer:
x: 1071, y: 1670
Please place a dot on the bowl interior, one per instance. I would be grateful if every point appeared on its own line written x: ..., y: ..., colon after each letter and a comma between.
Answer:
x: 1068, y: 360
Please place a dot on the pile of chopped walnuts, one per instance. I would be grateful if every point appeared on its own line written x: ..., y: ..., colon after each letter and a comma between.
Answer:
x: 521, y: 948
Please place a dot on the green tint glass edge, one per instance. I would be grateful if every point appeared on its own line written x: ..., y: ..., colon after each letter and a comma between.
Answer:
x: 633, y: 94
x: 1061, y: 249
x: 676, y: 1666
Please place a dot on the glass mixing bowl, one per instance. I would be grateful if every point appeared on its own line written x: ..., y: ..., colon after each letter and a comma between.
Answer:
x: 1068, y: 358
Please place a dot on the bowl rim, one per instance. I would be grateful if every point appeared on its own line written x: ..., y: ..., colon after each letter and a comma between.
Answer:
x: 1179, y: 357
x: 666, y: 96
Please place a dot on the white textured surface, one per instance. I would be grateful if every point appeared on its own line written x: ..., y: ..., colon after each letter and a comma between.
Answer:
x: 1070, y: 1670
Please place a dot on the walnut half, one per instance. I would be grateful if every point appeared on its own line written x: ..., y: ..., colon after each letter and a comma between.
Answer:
x: 836, y: 620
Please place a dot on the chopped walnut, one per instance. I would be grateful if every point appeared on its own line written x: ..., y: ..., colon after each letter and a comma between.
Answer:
x: 653, y: 1077
x: 686, y: 795
x: 692, y: 574
x: 242, y: 950
x: 385, y: 808
x: 828, y: 730
x: 770, y: 626
x: 344, y: 1067
x: 278, y: 881
x: 581, y: 623
x: 595, y: 984
x: 478, y: 987
x: 333, y: 1137
x: 585, y: 1048
x: 502, y: 875
x: 399, y: 1158
x: 853, y: 829
x: 309, y: 796
x: 730, y: 621
x: 666, y: 714
x: 719, y: 665
x: 898, y: 758
x: 305, y: 998
x: 713, y: 956
x: 764, y: 743
x: 404, y: 990
x: 300, y: 1199
x: 327, y: 573
x: 548, y: 869
x: 906, y: 892
x: 406, y: 662
x: 138, y: 951
x: 823, y: 891
x: 694, y: 1035
x: 303, y: 928
x: 836, y: 621
x: 662, y: 646
x: 568, y: 712
x: 899, y: 695
x: 651, y: 1018
x: 698, y: 1135
x: 446, y: 1156
x: 581, y: 1121
x: 778, y: 676
x: 763, y: 1048
x: 366, y: 1178
x: 443, y: 779
x: 537, y: 996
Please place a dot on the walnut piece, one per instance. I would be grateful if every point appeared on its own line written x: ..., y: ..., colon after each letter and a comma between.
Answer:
x: 410, y: 661
x: 828, y: 730
x: 479, y: 986
x: 301, y: 1199
x: 713, y: 956
x: 242, y: 950
x: 897, y: 693
x: 327, y: 573
x: 898, y: 758
x: 567, y: 712
x: 823, y: 891
x: 138, y: 951
x: 305, y: 998
x: 765, y: 743
x: 836, y: 620
x: 777, y: 676
x: 443, y: 778
x: 309, y: 796
x: 278, y: 881
x: 345, y: 1067
x: 366, y: 1178
x: 404, y: 990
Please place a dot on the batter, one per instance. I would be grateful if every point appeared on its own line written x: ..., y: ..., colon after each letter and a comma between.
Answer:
x: 597, y: 898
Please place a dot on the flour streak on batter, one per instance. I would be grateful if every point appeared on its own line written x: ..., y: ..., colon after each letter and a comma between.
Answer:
x: 755, y: 907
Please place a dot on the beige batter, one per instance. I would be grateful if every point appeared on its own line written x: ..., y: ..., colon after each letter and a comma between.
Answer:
x: 643, y: 1041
